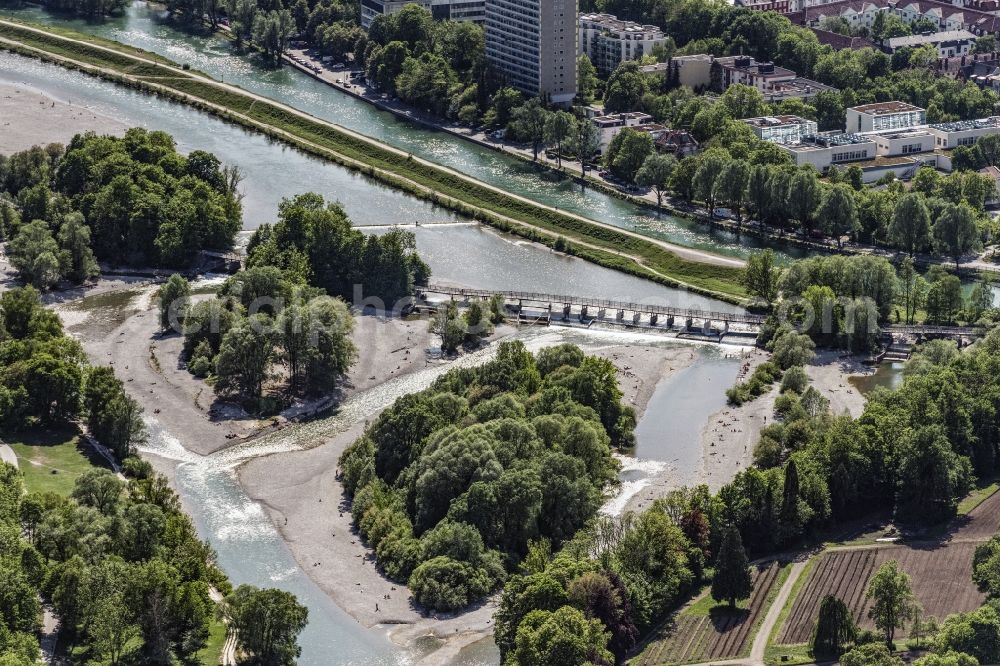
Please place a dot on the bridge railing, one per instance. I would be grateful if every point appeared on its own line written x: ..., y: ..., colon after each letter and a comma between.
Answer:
x: 736, y: 317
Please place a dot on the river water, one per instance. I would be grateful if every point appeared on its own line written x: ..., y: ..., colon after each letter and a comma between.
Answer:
x: 147, y: 26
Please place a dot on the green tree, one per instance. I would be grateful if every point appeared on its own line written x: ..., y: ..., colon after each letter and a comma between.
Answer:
x: 892, y: 599
x: 271, y: 31
x: 710, y: 167
x: 586, y: 141
x: 35, y: 254
x: 527, y: 123
x: 976, y: 634
x: 587, y: 80
x: 911, y: 223
x: 627, y: 152
x: 955, y: 231
x: 111, y: 626
x: 804, y: 196
x: 835, y: 629
x: 559, y: 127
x: 871, y: 654
x: 731, y: 186
x: 175, y: 300
x: 838, y: 213
x: 949, y: 658
x: 655, y: 173
x: 76, y: 259
x: 245, y: 356
x: 266, y: 622
x: 913, y: 289
x: 564, y: 637
x: 625, y: 88
x: 731, y: 581
x: 761, y: 276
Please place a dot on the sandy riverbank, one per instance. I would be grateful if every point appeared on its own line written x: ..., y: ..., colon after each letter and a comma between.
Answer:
x: 31, y: 118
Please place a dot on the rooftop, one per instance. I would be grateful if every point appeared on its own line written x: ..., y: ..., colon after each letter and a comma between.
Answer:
x: 775, y: 121
x: 931, y: 38
x: 885, y: 108
x: 612, y: 22
x: 962, y: 125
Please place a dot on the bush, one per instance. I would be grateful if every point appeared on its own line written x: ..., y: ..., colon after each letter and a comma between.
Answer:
x: 795, y: 379
x: 445, y: 585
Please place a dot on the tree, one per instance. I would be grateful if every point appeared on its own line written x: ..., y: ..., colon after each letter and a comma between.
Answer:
x: 892, y: 599
x: 913, y: 289
x: 911, y: 223
x: 586, y: 76
x: 655, y: 173
x: 731, y: 581
x: 175, y: 300
x: 792, y: 349
x: 271, y: 31
x: 586, y: 141
x: 789, y: 516
x: 560, y: 638
x: 709, y: 168
x: 625, y: 88
x: 559, y: 127
x: 528, y: 123
x: 981, y: 299
x: 870, y: 654
x: 838, y: 213
x: 759, y: 192
x: 835, y: 629
x: 949, y: 658
x: 111, y: 626
x: 731, y: 186
x: 627, y: 152
x: 955, y: 231
x: 761, y: 276
x: 743, y: 101
x: 245, y: 356
x: 803, y: 197
x: 34, y: 253
x: 976, y: 634
x: 266, y: 622
x: 76, y: 259
x: 241, y: 15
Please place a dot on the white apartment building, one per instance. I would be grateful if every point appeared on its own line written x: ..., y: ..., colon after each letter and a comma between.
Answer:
x: 782, y: 129
x: 608, y: 41
x: 963, y: 132
x: 824, y: 150
x: 442, y: 10
x: 533, y: 45
x: 884, y: 116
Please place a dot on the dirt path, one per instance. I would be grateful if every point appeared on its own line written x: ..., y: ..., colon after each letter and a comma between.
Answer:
x: 763, y: 636
x: 689, y: 254
x: 7, y: 455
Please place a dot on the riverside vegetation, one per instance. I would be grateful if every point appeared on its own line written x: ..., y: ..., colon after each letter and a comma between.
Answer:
x: 588, y: 240
x: 117, y: 559
x: 131, y: 201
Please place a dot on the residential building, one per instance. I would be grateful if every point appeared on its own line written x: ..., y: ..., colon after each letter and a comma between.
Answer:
x: 777, y: 6
x: 532, y: 44
x: 608, y: 41
x: 862, y: 13
x: 782, y: 129
x: 949, y: 43
x: 679, y: 143
x: 884, y: 116
x: 443, y: 10
x: 702, y: 71
x: 609, y: 126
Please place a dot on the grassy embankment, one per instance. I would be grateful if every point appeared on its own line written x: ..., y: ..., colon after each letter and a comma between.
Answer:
x: 607, y: 247
x: 51, y: 460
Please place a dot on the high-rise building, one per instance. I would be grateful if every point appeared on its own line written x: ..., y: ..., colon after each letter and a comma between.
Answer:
x: 533, y: 45
x: 442, y: 10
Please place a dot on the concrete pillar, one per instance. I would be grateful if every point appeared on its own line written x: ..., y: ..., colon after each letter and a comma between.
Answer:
x: 621, y: 315
x: 688, y: 323
x: 600, y: 313
x: 653, y: 319
x: 635, y: 318
x: 707, y: 327
x: 566, y: 310
x: 670, y: 321
x: 583, y: 312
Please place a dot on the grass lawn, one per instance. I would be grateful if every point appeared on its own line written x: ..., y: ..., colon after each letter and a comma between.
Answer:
x: 977, y: 497
x: 212, y: 652
x: 52, y: 459
x: 787, y: 655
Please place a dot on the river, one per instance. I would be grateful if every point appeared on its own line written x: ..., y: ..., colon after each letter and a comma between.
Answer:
x: 148, y: 27
x: 250, y: 549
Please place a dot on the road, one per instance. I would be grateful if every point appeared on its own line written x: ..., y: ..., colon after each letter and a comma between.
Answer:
x: 7, y: 455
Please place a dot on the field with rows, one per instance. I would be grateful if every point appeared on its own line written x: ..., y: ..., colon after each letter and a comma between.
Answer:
x: 705, y: 632
x: 941, y: 573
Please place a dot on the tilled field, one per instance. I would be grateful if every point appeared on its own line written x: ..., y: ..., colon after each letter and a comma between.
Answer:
x: 942, y: 583
x: 712, y: 636
x: 941, y: 574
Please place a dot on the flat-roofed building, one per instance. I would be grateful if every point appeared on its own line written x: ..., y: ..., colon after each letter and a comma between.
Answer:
x: 609, y: 41
x: 949, y: 43
x: 884, y: 116
x: 609, y: 126
x: 781, y: 129
x: 827, y: 148
x: 963, y: 132
x: 911, y: 141
x: 532, y: 44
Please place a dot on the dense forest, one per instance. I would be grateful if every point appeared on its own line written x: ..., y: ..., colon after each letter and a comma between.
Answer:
x: 130, y: 201
x: 452, y: 486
